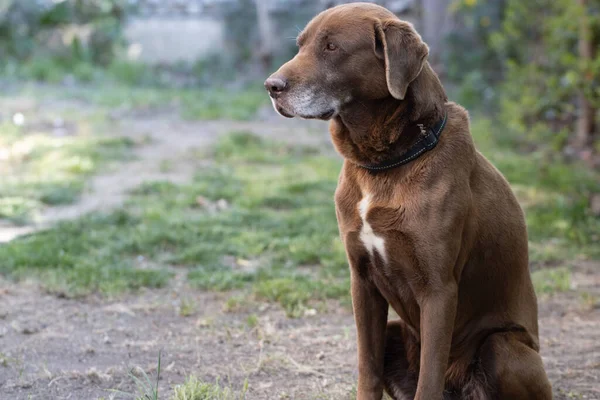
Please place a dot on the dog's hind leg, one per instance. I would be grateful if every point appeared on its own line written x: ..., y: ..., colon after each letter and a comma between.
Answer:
x: 514, y: 370
x: 400, y: 377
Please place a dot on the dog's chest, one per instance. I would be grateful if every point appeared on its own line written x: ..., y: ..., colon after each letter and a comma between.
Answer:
x: 372, y: 226
x: 374, y: 243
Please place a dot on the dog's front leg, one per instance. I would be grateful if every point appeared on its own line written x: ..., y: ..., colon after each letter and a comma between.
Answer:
x: 370, y: 314
x: 438, y: 309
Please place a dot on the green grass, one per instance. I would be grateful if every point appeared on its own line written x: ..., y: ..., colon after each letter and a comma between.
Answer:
x: 191, y: 104
x: 252, y: 321
x: 147, y: 387
x: 76, y: 257
x: 223, y: 104
x: 262, y: 221
x: 279, y: 216
x: 187, y: 307
x: 40, y: 169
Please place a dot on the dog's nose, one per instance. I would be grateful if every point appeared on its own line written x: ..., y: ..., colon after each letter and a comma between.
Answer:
x: 275, y: 85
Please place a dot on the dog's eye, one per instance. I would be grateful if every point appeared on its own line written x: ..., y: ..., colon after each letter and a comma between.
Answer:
x: 331, y: 47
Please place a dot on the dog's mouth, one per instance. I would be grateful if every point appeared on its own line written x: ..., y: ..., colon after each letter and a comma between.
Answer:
x: 284, y: 113
x: 326, y: 115
x: 278, y: 105
x: 323, y: 116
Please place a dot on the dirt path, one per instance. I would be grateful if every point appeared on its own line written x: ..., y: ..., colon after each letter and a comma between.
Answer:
x: 167, y: 149
x: 172, y: 150
x: 54, y: 348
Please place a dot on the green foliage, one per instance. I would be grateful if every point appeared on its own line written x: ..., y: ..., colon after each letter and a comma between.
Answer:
x: 544, y: 73
x: 43, y: 69
x: 54, y: 41
x: 523, y: 57
x: 469, y: 59
x: 66, y: 32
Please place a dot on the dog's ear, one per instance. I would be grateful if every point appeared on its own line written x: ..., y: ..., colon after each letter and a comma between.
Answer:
x: 404, y: 53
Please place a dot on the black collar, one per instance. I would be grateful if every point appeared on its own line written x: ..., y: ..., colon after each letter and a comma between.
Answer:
x: 427, y: 142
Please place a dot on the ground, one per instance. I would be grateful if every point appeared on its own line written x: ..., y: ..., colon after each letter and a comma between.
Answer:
x: 63, y: 349
x: 282, y: 331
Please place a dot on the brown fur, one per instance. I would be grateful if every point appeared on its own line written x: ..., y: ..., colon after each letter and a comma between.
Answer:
x: 456, y: 267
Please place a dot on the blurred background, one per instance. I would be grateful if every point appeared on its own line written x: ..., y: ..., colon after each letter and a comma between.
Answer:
x: 152, y: 200
x: 535, y: 65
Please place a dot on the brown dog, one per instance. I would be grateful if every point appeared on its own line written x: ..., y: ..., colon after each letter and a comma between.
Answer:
x: 430, y: 227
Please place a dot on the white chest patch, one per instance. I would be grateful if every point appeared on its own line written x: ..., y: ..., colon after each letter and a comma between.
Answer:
x: 371, y: 241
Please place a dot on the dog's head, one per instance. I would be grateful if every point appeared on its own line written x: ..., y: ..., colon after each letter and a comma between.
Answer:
x: 352, y: 52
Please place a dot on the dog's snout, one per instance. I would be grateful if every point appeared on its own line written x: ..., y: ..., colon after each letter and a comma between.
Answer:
x: 276, y: 85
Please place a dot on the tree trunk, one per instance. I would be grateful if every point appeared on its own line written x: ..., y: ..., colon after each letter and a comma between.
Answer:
x: 587, y: 113
x: 265, y: 27
x: 436, y: 22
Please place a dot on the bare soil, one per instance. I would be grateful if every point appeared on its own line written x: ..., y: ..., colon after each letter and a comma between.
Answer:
x: 59, y: 348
